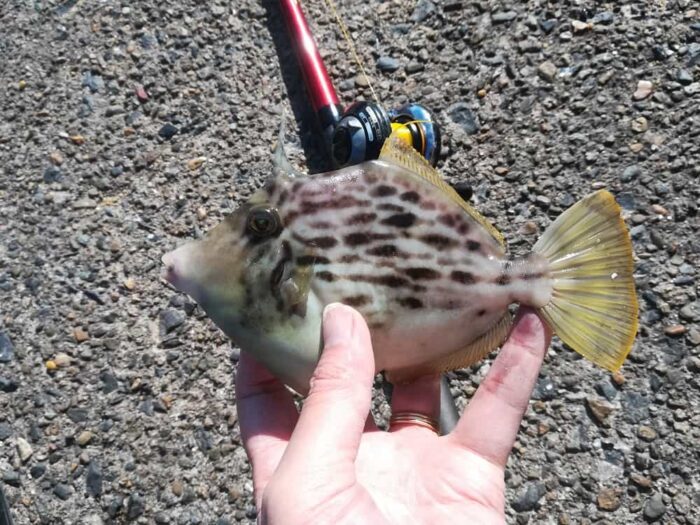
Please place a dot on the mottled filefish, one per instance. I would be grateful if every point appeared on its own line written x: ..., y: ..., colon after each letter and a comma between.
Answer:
x: 429, y: 274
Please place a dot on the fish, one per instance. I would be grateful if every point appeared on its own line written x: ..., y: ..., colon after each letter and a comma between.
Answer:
x: 429, y: 274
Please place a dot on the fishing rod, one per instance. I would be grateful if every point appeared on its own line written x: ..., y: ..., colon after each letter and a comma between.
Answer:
x: 358, y: 133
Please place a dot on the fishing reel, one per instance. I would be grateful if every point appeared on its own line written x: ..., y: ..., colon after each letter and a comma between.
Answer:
x: 363, y: 128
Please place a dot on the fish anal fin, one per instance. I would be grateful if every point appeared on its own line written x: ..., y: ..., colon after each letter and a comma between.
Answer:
x: 473, y: 353
x: 396, y: 151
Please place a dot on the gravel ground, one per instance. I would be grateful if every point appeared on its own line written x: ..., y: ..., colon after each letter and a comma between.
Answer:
x: 127, y: 127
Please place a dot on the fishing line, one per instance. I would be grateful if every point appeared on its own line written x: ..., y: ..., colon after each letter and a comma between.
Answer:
x: 348, y: 39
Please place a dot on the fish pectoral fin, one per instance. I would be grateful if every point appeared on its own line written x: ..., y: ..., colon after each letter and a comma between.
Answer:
x: 463, y: 358
x: 397, y: 152
x: 295, y: 291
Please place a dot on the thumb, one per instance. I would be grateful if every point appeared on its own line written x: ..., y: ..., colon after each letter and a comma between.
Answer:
x: 332, y: 420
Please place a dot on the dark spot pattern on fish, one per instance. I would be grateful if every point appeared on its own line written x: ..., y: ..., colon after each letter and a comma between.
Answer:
x: 438, y: 241
x: 411, y: 302
x: 310, y: 260
x: 473, y: 246
x: 447, y: 220
x: 356, y: 300
x: 369, y: 178
x: 428, y: 205
x: 400, y: 220
x: 361, y: 218
x: 326, y: 276
x: 290, y: 217
x: 360, y: 238
x: 419, y: 274
x: 481, y: 313
x: 387, y: 206
x: 410, y: 196
x: 317, y: 242
x: 270, y: 187
x: 384, y: 250
x: 346, y: 201
x: 462, y: 277
x: 350, y: 258
x: 503, y: 280
x: 383, y: 191
x: 531, y: 276
x: 322, y: 225
x: 392, y: 281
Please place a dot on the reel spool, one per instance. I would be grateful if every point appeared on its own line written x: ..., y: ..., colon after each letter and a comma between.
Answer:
x: 363, y: 128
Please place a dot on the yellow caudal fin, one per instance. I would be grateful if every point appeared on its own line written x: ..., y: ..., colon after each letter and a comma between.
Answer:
x: 593, y: 308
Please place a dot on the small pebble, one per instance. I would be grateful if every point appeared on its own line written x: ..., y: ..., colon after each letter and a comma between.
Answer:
x: 654, y: 507
x: 361, y: 81
x: 8, y: 385
x: 141, y: 94
x: 646, y: 433
x: 609, y: 499
x: 63, y: 491
x: 5, y: 431
x: 93, y: 479
x: 388, y: 64
x: 503, y: 17
x: 641, y: 481
x: 168, y: 131
x: 580, y: 27
x: 644, y: 89
x: 196, y: 163
x: 7, y: 349
x: 660, y: 210
x: 414, y: 67
x: 529, y: 497
x: 24, y: 449
x: 80, y: 335
x: 640, y: 125
x: 600, y: 410
x: 547, y: 71
x: 62, y: 359
x: 85, y: 437
x: 675, y: 330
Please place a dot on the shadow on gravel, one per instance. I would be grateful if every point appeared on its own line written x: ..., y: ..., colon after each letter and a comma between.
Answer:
x: 311, y: 141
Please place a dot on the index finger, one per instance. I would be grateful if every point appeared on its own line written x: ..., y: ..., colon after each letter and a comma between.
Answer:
x: 490, y: 422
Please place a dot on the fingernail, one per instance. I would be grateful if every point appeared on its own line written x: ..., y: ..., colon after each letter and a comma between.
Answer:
x: 337, y: 324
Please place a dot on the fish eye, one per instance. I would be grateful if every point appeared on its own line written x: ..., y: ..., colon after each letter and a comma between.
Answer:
x: 263, y: 222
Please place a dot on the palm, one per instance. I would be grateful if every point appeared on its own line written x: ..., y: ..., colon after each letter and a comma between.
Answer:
x: 416, y: 473
x: 330, y: 463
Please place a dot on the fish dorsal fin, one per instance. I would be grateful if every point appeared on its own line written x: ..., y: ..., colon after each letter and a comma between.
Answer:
x: 280, y: 161
x: 396, y: 151
x: 463, y: 358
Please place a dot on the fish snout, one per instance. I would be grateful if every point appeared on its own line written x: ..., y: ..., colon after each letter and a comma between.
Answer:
x: 169, y: 268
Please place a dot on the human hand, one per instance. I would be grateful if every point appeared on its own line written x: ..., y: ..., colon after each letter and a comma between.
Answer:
x: 331, y: 464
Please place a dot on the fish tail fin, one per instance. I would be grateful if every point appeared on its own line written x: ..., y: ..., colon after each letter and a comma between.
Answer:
x: 593, y: 307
